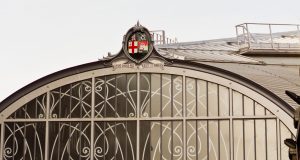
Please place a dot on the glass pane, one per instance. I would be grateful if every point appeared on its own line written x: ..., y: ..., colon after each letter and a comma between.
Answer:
x: 145, y: 148
x: 34, y: 109
x: 37, y: 107
x: 271, y: 139
x: 237, y: 103
x: 224, y: 140
x: 121, y: 95
x: 110, y: 137
x: 155, y: 95
x: 213, y: 103
x: 20, y: 113
x: 86, y: 99
x: 166, y: 95
x: 259, y: 110
x: 110, y: 85
x: 248, y: 106
x: 130, y: 139
x: 24, y: 140
x: 190, y: 97
x: 166, y: 139
x: 114, y: 140
x: 155, y: 140
x: 224, y: 101
x: 69, y: 140
x: 81, y: 100
x: 132, y: 95
x: 201, y: 98
x: 202, y: 139
x: 119, y: 129
x: 177, y: 96
x: 249, y: 139
x: 9, y: 144
x: 213, y: 130
x: 100, y: 140
x: 161, y: 140
x: 145, y: 94
x: 260, y: 139
x: 35, y: 140
x: 79, y: 140
x: 238, y: 140
x: 191, y: 136
x: 99, y: 97
x: 19, y: 140
x: 66, y: 92
x: 55, y: 102
x: 177, y: 143
x: 72, y: 100
x: 120, y: 92
x: 41, y: 104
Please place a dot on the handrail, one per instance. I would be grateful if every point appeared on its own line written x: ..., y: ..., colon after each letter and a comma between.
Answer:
x: 159, y: 37
x: 246, y: 39
x: 270, y: 24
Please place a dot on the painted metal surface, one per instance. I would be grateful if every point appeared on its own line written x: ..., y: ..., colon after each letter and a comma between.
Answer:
x: 186, y: 112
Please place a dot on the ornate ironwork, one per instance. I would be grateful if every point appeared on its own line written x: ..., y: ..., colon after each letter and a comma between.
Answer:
x: 24, y: 141
x: 146, y: 116
x: 71, y: 100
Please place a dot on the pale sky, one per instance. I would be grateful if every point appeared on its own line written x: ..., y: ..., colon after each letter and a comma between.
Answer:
x: 39, y: 37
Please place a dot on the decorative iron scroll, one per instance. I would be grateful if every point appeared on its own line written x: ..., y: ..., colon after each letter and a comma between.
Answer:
x: 115, y: 140
x: 179, y: 117
x: 115, y: 96
x: 70, y: 140
x: 36, y: 108
x: 72, y: 100
x: 24, y: 140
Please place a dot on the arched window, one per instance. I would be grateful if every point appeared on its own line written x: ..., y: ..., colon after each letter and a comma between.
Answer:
x: 145, y: 116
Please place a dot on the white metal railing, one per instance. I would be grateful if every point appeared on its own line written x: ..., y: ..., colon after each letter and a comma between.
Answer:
x: 159, y: 37
x: 268, y: 36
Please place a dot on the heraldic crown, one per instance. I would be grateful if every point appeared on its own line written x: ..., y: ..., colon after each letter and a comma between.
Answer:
x: 137, y: 43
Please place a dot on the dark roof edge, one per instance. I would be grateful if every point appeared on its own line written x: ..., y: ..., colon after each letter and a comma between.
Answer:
x: 50, y: 78
x: 176, y: 63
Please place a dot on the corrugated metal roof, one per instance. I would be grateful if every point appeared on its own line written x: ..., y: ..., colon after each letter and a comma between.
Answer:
x: 219, y: 51
x: 223, y: 53
x: 276, y: 79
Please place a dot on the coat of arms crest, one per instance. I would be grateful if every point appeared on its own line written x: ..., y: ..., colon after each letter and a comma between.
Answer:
x: 138, y: 44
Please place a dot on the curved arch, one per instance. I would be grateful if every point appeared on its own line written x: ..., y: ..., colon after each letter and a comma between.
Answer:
x: 261, y: 99
x: 278, y: 114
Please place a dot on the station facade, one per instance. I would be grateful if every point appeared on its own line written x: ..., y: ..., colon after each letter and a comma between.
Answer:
x: 143, y: 104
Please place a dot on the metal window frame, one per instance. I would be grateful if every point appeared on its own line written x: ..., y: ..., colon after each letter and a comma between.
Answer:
x: 279, y: 114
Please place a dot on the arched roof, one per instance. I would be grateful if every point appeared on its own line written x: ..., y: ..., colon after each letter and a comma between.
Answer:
x: 224, y: 54
x: 218, y: 57
x: 246, y: 74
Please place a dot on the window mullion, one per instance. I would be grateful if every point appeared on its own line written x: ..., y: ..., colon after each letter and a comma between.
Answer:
x: 92, y: 119
x: 47, y: 125
x: 138, y: 117
x: 184, y: 116
x: 231, y: 123
x: 2, y: 140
